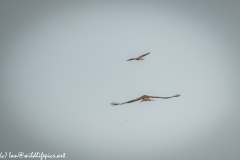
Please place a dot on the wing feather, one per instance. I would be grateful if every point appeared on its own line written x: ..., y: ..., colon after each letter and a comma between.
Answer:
x: 130, y: 59
x: 144, y: 54
x: 177, y: 95
x: 137, y: 99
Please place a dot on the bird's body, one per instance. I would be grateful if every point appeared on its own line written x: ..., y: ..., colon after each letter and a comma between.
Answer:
x: 139, y: 58
x: 144, y: 98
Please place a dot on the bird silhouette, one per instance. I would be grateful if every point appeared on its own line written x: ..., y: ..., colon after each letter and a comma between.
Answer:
x: 144, y: 98
x: 138, y: 58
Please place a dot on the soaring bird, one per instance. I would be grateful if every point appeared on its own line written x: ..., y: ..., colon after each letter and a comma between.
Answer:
x: 144, y: 98
x: 139, y: 58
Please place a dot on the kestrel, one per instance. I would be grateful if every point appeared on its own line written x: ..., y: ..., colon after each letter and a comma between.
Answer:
x: 139, y: 58
x: 144, y: 98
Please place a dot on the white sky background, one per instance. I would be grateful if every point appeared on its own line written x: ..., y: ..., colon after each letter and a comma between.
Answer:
x: 65, y: 66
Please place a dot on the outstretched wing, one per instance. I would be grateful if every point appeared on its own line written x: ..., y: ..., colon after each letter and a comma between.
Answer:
x: 177, y: 95
x: 130, y: 59
x: 137, y: 99
x: 144, y: 54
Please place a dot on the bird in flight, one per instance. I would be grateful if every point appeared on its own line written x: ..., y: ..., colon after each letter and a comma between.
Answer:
x: 139, y: 58
x: 144, y: 98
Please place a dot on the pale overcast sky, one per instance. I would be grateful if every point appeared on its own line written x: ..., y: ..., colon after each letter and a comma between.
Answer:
x: 64, y: 62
